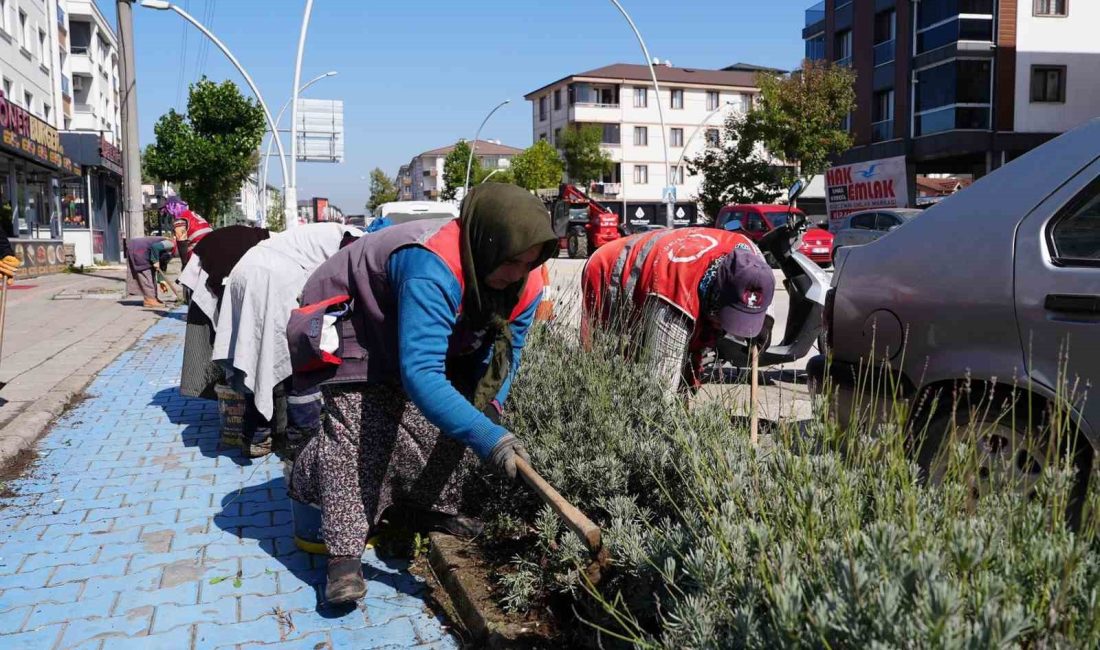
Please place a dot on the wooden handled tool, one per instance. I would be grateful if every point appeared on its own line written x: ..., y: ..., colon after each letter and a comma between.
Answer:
x: 754, y: 384
x: 3, y: 314
x: 573, y: 518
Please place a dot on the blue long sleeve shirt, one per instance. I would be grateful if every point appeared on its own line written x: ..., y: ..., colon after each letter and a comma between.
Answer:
x: 428, y: 298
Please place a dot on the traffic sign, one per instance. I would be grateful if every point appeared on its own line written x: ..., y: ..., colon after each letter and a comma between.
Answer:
x: 669, y: 194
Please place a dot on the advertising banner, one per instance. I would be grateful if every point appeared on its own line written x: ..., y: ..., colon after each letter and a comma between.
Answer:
x: 863, y: 186
x: 26, y: 135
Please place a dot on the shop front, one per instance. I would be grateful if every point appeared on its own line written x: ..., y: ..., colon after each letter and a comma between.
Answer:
x: 33, y: 167
x: 91, y: 203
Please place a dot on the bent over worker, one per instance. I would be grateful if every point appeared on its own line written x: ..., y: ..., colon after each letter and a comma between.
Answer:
x: 144, y: 255
x: 677, y: 292
x: 415, y: 333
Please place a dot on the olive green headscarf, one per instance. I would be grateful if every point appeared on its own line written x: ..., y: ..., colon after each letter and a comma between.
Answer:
x: 498, y: 222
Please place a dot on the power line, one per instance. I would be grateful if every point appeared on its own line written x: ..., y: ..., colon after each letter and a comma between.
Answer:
x: 208, y: 20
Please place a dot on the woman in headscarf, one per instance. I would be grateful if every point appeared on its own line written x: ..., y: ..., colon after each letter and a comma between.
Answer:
x: 415, y: 333
x: 188, y: 227
x: 211, y: 261
x: 261, y: 290
x: 144, y: 255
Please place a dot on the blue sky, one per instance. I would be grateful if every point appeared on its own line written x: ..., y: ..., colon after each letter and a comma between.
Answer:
x: 419, y: 75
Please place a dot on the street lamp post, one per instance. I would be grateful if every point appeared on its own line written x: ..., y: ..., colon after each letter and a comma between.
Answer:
x: 473, y: 146
x: 291, y: 193
x: 495, y: 171
x: 291, y: 211
x: 669, y: 201
x: 275, y: 134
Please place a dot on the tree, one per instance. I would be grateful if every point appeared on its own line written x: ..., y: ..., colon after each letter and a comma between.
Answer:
x: 738, y: 170
x: 539, y: 166
x: 209, y: 152
x: 382, y: 190
x: 454, y: 170
x: 585, y: 159
x: 801, y: 116
x: 499, y: 175
x: 276, y: 213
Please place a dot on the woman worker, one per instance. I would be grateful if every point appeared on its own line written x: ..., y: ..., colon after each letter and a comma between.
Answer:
x: 415, y: 333
x: 143, y: 255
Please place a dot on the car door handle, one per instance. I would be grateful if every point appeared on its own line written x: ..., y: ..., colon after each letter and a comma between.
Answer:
x: 1073, y: 303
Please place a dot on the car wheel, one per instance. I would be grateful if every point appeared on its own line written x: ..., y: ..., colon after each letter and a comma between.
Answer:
x: 1001, y: 446
x: 578, y: 244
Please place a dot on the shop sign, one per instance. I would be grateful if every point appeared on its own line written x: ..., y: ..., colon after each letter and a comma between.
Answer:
x: 110, y: 156
x: 39, y: 256
x: 28, y: 136
x: 862, y: 186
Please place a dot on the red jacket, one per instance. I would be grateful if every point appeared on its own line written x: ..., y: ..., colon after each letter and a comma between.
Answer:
x: 197, y: 227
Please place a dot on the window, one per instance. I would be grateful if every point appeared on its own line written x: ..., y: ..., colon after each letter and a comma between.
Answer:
x: 676, y: 137
x: 952, y: 95
x: 677, y: 175
x: 754, y: 222
x: 4, y: 16
x: 557, y: 135
x: 542, y: 108
x: 641, y: 136
x: 1050, y: 8
x: 882, y: 116
x: 542, y: 136
x: 611, y: 135
x: 863, y: 221
x: 944, y: 22
x: 842, y: 47
x: 713, y: 137
x: 46, y: 112
x: 1075, y: 237
x: 886, y: 221
x: 42, y: 50
x: 24, y: 33
x: 28, y: 101
x: 641, y: 174
x: 641, y: 98
x: 677, y: 98
x: 815, y: 47
x: 7, y: 88
x: 712, y: 100
x: 885, y: 33
x: 1048, y: 83
x: 557, y: 99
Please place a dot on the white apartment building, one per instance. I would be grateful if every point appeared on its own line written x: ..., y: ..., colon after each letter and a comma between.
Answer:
x: 92, y: 63
x: 422, y: 178
x: 620, y: 99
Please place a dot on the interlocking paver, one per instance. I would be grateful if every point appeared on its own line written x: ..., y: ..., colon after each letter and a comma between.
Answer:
x: 132, y: 510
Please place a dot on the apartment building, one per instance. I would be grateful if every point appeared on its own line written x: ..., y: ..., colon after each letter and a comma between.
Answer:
x: 422, y: 178
x: 620, y: 99
x: 960, y: 86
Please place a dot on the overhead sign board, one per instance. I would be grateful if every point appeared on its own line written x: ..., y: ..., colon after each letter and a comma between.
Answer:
x: 863, y: 186
x: 30, y: 137
x: 321, y: 130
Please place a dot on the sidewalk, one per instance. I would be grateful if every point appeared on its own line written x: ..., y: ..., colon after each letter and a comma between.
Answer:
x: 61, y: 330
x: 134, y: 531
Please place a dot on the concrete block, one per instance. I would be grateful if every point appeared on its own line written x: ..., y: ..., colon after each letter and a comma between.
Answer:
x: 168, y: 617
x: 92, y: 607
x: 82, y: 630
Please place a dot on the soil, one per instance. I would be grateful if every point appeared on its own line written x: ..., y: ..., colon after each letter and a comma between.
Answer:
x: 13, y: 469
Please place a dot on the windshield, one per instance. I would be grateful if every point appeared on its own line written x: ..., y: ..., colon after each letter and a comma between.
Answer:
x: 777, y: 219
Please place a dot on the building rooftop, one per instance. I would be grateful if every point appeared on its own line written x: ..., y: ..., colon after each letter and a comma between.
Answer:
x: 484, y: 148
x: 665, y: 73
x: 749, y: 67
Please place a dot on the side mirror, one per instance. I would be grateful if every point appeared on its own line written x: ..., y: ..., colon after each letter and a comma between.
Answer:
x: 732, y: 224
x: 796, y: 190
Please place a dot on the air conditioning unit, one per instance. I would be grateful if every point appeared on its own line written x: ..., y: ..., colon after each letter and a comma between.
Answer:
x: 78, y: 84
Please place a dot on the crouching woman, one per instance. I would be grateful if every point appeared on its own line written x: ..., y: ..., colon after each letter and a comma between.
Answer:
x: 414, y: 334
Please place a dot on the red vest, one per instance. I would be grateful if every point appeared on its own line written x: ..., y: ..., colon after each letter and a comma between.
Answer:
x: 668, y: 264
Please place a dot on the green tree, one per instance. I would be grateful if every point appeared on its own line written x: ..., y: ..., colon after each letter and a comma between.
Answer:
x: 454, y: 170
x: 382, y: 189
x: 501, y: 175
x: 209, y: 152
x: 276, y: 213
x: 801, y: 115
x: 585, y: 159
x: 538, y: 167
x: 737, y: 170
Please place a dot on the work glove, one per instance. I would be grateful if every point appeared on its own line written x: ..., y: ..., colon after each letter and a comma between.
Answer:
x: 8, y: 265
x: 502, y: 459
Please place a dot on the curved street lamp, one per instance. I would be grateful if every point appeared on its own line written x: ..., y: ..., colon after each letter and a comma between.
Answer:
x: 694, y: 133
x: 291, y: 212
x: 275, y: 134
x: 292, y: 190
x: 473, y: 146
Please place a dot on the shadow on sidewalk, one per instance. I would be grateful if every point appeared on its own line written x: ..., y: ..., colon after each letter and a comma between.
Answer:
x: 278, y: 541
x: 200, y: 416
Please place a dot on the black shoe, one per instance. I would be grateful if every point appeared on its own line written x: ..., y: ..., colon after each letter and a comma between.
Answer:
x: 345, y: 580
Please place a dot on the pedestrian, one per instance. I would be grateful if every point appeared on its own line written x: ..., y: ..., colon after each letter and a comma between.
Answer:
x: 414, y: 334
x: 211, y: 261
x: 144, y: 255
x: 189, y: 228
x: 261, y: 290
x: 675, y: 293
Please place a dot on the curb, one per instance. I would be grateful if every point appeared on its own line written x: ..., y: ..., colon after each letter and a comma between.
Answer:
x: 24, y: 430
x: 469, y: 595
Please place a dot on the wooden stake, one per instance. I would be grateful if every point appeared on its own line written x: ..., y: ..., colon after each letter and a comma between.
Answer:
x: 754, y: 425
x: 573, y: 518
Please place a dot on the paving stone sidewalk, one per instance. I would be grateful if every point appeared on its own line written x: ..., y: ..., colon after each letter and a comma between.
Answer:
x: 133, y: 530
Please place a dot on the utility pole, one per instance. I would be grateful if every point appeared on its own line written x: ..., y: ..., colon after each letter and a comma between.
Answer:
x: 131, y: 148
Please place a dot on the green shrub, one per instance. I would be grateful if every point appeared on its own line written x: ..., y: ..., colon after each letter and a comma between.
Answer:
x: 818, y: 538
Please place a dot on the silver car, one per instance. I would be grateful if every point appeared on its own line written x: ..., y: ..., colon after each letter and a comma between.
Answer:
x: 867, y: 226
x: 992, y: 294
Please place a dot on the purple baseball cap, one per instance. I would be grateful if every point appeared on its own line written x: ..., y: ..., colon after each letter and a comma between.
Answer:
x: 744, y: 289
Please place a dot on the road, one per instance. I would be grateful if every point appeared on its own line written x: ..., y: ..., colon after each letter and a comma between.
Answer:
x: 783, y: 396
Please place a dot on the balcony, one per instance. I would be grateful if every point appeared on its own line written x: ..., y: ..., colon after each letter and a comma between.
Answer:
x: 882, y: 131
x: 815, y: 14
x: 84, y: 109
x: 885, y: 52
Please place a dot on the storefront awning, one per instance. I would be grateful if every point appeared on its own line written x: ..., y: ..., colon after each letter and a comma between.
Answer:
x: 92, y: 150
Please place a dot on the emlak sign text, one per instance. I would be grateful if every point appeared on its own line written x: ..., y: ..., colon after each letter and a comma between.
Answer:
x: 863, y: 186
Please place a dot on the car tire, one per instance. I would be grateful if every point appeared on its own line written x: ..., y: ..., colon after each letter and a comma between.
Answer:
x: 1012, y: 444
x: 833, y: 256
x: 578, y: 245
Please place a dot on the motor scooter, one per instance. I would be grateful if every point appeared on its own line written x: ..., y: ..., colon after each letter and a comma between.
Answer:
x: 806, y: 284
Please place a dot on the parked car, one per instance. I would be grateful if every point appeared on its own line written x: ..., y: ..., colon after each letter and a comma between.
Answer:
x: 867, y: 226
x: 991, y: 298
x: 758, y: 220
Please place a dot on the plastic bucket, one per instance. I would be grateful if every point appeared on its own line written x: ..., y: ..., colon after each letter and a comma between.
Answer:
x: 232, y: 410
x: 307, y: 521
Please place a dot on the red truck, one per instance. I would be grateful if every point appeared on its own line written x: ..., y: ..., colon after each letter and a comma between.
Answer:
x: 581, y: 223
